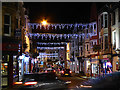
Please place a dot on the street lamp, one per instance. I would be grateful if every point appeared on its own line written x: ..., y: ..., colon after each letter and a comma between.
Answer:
x: 44, y: 22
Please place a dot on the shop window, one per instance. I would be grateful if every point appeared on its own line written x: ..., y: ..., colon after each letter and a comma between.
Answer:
x: 106, y: 20
x: 4, y: 81
x: 14, y: 67
x: 113, y: 18
x: 7, y: 24
x: 4, y: 69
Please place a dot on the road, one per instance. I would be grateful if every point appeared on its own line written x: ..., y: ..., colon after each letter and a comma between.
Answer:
x: 74, y: 81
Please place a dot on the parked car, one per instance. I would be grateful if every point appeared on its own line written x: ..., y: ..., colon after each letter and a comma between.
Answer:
x: 66, y: 72
x: 41, y: 81
x: 108, y: 81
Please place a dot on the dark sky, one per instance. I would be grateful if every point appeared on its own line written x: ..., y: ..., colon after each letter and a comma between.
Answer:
x: 60, y: 12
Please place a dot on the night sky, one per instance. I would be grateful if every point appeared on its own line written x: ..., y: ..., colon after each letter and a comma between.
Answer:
x: 60, y: 12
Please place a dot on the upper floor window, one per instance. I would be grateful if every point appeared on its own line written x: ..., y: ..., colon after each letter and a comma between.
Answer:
x: 95, y: 43
x: 101, y: 21
x: 81, y: 49
x: 16, y: 23
x: 106, y: 42
x: 81, y: 38
x: 87, y: 31
x: 7, y: 25
x: 113, y: 18
x: 119, y: 14
x: 94, y: 26
x: 87, y: 47
x: 91, y: 29
x: 106, y: 23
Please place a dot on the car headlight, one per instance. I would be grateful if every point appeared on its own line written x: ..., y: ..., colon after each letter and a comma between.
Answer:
x: 85, y: 86
x: 68, y: 82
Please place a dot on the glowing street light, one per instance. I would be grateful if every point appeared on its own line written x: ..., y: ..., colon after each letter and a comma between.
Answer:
x: 44, y: 22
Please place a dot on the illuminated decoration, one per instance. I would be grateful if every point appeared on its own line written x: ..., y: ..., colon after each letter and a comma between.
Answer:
x: 52, y: 43
x: 59, y: 36
x: 50, y: 48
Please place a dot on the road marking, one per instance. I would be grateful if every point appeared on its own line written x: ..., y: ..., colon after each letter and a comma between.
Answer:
x: 80, y: 78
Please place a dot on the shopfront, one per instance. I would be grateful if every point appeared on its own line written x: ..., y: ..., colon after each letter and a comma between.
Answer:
x: 23, y: 65
x: 9, y: 62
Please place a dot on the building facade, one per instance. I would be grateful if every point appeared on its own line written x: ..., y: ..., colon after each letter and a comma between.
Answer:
x: 12, y: 26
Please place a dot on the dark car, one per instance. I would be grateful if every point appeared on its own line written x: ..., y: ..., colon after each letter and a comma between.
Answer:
x: 50, y: 70
x: 66, y: 72
x: 108, y: 81
x: 41, y: 81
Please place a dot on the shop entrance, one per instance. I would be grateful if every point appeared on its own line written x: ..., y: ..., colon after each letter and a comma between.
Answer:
x: 4, y: 72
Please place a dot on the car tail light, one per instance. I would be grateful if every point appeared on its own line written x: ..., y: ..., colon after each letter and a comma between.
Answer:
x: 17, y: 83
x: 46, y: 71
x: 53, y: 70
x: 62, y: 71
x: 30, y: 83
x: 70, y: 71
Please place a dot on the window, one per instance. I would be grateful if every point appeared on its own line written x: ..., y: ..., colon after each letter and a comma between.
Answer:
x: 81, y: 53
x: 81, y: 49
x: 106, y: 23
x: 16, y: 23
x: 87, y: 31
x: 7, y: 24
x: 101, y: 21
x: 87, y: 47
x: 119, y: 14
x: 81, y: 38
x: 95, y: 43
x: 94, y: 26
x: 91, y: 29
x: 106, y: 42
x: 102, y: 42
x: 113, y: 18
x: 115, y: 39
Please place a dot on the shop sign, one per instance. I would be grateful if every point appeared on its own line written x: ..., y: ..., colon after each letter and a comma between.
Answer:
x: 10, y: 47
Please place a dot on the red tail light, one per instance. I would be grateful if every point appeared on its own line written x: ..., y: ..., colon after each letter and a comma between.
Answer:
x: 53, y: 70
x: 30, y: 83
x: 17, y: 83
x: 70, y: 71
x: 62, y: 71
